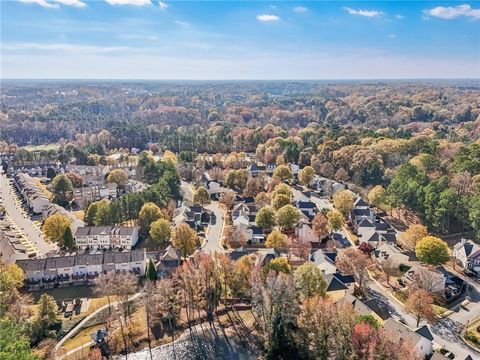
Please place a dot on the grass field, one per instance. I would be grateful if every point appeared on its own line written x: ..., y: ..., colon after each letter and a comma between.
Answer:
x: 44, y: 147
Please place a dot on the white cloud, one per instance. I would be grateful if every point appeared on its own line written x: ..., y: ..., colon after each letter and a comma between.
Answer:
x: 129, y: 2
x: 267, y: 18
x: 399, y: 16
x: 453, y: 12
x: 42, y: 3
x: 63, y: 47
x: 181, y: 23
x: 76, y: 3
x: 392, y: 36
x: 162, y: 4
x: 366, y: 13
x: 300, y: 9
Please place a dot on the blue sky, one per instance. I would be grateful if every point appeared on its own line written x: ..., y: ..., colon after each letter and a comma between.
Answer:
x: 151, y: 39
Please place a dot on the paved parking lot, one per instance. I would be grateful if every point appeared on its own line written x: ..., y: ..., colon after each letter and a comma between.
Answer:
x: 19, y: 219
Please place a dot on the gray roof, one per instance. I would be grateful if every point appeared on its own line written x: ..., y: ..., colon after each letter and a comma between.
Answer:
x: 97, y: 230
x: 31, y: 264
x: 401, y: 331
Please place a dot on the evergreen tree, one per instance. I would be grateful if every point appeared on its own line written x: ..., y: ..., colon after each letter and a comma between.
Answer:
x: 68, y: 238
x: 151, y: 273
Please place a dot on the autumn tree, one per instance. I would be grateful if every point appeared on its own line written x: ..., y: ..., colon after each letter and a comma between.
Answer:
x: 265, y: 218
x: 77, y: 180
x: 309, y: 281
x: 320, y: 226
x: 278, y: 265
x: 276, y: 239
x: 352, y: 262
x: 335, y: 220
x: 432, y: 250
x: 54, y: 227
x: 419, y: 304
x: 306, y: 175
x: 282, y: 189
x: 366, y: 248
x: 184, y: 239
x: 413, y: 235
x: 280, y: 200
x: 119, y: 177
x: 377, y: 196
x: 201, y: 196
x: 343, y: 202
x: 288, y: 216
x: 149, y: 213
x: 228, y: 199
x: 282, y: 172
x: 325, y: 328
x: 160, y: 231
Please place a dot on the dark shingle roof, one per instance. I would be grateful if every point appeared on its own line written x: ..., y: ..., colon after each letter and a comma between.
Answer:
x: 334, y: 284
x: 379, y: 308
x: 360, y: 202
x: 257, y: 230
x: 425, y: 332
x: 365, y: 223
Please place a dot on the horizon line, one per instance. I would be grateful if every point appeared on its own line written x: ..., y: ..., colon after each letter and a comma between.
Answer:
x: 236, y: 79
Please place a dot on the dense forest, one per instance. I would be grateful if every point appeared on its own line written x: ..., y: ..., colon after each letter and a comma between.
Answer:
x: 138, y: 113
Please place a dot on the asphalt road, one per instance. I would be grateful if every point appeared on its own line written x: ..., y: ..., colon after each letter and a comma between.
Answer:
x: 215, y: 231
x: 23, y: 223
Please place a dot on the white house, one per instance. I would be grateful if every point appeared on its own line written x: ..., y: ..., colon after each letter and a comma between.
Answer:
x: 104, y: 237
x: 387, y: 253
x: 324, y: 261
x: 421, y: 339
x: 467, y: 253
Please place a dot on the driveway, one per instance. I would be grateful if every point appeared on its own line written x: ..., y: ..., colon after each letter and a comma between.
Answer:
x: 24, y: 224
x: 215, y: 231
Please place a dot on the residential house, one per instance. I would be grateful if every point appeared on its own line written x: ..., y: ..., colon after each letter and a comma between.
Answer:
x: 195, y: 216
x: 79, y: 269
x: 255, y: 170
x: 34, y: 271
x: 256, y: 235
x: 92, y: 175
x: 85, y: 195
x: 104, y: 237
x: 336, y: 288
x: 419, y: 275
x: 421, y: 339
x: 35, y: 198
x: 307, y: 207
x: 11, y: 247
x: 467, y: 253
x: 270, y: 168
x: 370, y: 307
x: 325, y: 261
x: 391, y: 255
x: 135, y: 186
x: 53, y: 209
